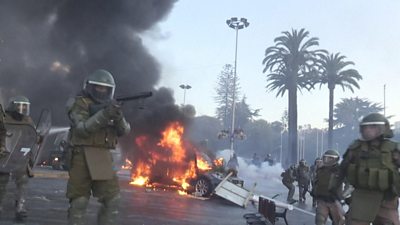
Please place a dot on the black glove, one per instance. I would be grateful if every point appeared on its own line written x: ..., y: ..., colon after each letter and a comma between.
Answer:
x: 40, y: 139
x: 119, y: 115
x: 113, y: 111
x: 347, y: 200
x: 3, y: 152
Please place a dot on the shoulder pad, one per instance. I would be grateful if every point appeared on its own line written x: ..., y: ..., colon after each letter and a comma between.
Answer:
x: 354, y: 144
x: 70, y: 103
x: 79, y: 100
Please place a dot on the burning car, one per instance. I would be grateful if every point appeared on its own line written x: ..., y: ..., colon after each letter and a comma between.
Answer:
x: 207, y: 180
x: 57, y: 155
x: 171, y: 161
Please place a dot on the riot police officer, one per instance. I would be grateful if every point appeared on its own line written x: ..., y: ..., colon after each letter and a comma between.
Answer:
x: 313, y: 175
x: 327, y: 191
x: 17, y: 112
x: 303, y: 179
x: 269, y: 159
x: 370, y: 165
x: 288, y: 178
x: 3, y: 151
x: 96, y: 123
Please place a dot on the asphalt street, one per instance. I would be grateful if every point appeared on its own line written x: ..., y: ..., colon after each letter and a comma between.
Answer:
x: 48, y: 206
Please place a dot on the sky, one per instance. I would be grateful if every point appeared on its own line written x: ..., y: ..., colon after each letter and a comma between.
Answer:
x: 193, y: 44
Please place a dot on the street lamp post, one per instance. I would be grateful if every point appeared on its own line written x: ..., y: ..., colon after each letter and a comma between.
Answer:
x: 184, y: 87
x: 235, y: 24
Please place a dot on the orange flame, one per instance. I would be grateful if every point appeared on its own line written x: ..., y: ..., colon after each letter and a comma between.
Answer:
x: 168, y: 159
x: 127, y: 165
x: 172, y: 139
x: 219, y: 162
x: 141, y: 175
x: 203, y: 164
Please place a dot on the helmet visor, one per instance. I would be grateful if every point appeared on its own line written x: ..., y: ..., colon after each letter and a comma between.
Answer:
x: 329, y: 160
x: 22, y: 107
x: 100, y: 93
x: 372, y: 131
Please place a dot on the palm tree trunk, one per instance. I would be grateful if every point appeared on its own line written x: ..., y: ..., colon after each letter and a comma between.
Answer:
x: 330, y: 119
x: 292, y: 125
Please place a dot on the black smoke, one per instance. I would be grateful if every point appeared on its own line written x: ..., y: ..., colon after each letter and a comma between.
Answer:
x: 47, y: 48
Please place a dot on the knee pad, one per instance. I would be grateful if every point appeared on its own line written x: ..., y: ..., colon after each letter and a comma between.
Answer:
x: 112, y: 202
x: 320, y: 219
x: 79, y: 203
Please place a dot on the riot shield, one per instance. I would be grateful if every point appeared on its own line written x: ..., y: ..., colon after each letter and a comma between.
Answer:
x: 43, y: 127
x: 21, y: 140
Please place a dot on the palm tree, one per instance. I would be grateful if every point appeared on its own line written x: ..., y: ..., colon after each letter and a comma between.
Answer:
x: 333, y: 73
x: 290, y: 66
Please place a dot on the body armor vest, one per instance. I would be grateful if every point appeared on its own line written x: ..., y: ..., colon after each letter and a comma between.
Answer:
x: 288, y: 176
x: 25, y: 120
x: 326, y: 182
x: 372, y: 167
x: 102, y: 138
x: 303, y: 174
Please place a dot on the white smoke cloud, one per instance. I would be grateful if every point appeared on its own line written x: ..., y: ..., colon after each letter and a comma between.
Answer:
x: 267, y: 178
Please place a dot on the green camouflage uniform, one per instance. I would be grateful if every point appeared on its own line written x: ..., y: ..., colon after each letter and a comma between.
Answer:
x: 21, y: 175
x: 303, y: 180
x: 91, y: 171
x: 327, y: 192
x: 372, y: 168
x: 3, y: 133
x: 288, y: 178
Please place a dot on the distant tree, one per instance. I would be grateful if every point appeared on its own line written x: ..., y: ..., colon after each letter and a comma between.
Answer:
x: 347, y: 115
x: 226, y: 90
x: 244, y: 113
x: 206, y: 128
x: 334, y: 73
x: 291, y: 66
x: 349, y: 111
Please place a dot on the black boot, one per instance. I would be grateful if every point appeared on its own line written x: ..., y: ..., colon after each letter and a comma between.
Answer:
x: 20, y: 210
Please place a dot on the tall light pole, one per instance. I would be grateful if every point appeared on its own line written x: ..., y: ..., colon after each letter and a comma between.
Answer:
x: 184, y: 87
x: 235, y: 24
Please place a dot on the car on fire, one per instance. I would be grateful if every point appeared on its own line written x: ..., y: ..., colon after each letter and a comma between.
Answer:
x: 58, y: 153
x: 207, y: 180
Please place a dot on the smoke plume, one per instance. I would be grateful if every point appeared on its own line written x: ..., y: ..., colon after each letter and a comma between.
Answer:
x: 48, y: 47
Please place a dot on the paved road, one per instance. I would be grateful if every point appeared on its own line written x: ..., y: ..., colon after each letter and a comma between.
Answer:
x: 47, y: 206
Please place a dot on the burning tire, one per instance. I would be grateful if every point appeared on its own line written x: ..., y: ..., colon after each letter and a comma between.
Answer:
x: 203, y: 186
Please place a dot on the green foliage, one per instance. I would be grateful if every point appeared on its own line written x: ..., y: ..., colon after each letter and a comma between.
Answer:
x: 349, y: 111
x: 334, y: 72
x: 290, y: 66
x: 244, y: 113
x: 290, y: 63
x: 227, y: 89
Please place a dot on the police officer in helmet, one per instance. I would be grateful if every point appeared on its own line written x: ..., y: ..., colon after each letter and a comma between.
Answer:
x: 327, y: 190
x: 3, y: 151
x: 313, y: 170
x: 303, y: 179
x: 370, y: 165
x: 17, y: 112
x: 96, y: 123
x: 288, y: 178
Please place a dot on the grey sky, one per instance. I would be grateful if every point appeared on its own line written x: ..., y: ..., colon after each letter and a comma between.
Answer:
x: 195, y: 43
